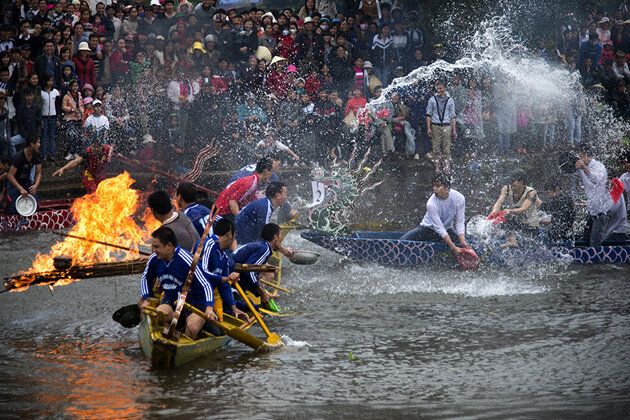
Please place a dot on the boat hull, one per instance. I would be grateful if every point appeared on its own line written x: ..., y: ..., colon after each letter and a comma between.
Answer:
x: 51, y: 215
x: 163, y: 353
x: 385, y: 248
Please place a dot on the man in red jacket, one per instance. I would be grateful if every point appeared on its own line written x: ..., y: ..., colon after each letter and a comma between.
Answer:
x: 85, y: 70
x: 243, y: 191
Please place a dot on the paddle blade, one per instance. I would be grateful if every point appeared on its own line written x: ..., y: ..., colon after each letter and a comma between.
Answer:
x: 275, y: 340
x: 468, y: 259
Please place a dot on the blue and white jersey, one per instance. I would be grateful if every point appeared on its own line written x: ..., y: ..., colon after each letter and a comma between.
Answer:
x: 251, y: 219
x: 253, y: 253
x: 217, y: 263
x: 249, y: 170
x: 172, y: 276
x: 198, y: 215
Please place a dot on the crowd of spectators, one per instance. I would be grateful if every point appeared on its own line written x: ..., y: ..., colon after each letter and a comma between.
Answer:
x: 166, y: 78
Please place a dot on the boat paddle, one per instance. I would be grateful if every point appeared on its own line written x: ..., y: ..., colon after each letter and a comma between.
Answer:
x: 170, y: 329
x: 236, y: 332
x: 124, y: 248
x: 272, y: 338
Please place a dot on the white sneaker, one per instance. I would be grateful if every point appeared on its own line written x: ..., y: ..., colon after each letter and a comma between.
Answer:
x: 416, y: 157
x: 429, y: 156
x: 69, y: 156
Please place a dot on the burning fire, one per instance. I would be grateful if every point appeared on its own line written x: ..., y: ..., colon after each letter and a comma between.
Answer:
x: 106, y: 216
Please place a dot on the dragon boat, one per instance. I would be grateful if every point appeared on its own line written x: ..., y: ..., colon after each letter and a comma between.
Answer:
x: 386, y: 248
x: 167, y: 353
x: 163, y: 352
x: 53, y: 214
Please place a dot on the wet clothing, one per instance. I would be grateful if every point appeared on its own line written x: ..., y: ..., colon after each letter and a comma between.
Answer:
x: 599, y: 202
x: 243, y: 191
x: 618, y: 225
x: 172, y: 277
x: 184, y: 230
x: 251, y: 220
x: 215, y: 264
x: 442, y: 216
x: 198, y: 215
x: 252, y: 253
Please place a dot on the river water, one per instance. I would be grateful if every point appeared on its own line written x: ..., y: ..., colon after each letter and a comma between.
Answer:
x: 366, y: 342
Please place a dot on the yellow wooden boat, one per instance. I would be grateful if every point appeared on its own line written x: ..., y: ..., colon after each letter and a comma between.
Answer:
x: 168, y: 353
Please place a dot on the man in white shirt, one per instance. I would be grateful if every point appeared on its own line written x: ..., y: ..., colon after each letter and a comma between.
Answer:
x: 445, y: 208
x: 599, y: 203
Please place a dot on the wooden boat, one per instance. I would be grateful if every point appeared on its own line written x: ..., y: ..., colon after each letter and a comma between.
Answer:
x: 386, y: 248
x: 168, y: 353
x: 54, y: 214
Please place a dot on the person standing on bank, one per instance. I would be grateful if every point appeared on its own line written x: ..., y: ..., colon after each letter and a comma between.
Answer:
x: 445, y: 208
x: 19, y: 176
x: 599, y: 203
x: 441, y: 125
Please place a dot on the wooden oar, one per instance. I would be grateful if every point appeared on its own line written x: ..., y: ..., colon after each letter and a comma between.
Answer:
x: 236, y: 332
x: 272, y: 338
x: 152, y: 169
x: 276, y: 286
x: 101, y: 243
x: 244, y: 268
x: 170, y: 329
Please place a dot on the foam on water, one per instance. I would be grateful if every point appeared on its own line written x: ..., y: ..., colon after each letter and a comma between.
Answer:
x: 289, y: 342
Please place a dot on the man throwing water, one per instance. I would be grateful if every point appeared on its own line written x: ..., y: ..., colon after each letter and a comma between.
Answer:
x: 445, y: 208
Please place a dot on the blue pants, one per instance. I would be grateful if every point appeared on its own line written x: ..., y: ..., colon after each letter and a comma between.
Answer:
x: 48, y: 139
x: 16, y: 141
x: 426, y: 234
x: 504, y: 142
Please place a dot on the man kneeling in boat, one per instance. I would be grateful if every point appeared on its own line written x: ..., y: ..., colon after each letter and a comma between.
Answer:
x: 218, y: 267
x: 521, y: 204
x: 445, y: 207
x: 258, y: 253
x: 170, y: 264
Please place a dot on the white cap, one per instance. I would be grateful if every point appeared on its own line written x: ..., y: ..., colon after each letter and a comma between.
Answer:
x: 155, y: 2
x: 308, y: 19
x: 83, y: 46
x: 97, y: 102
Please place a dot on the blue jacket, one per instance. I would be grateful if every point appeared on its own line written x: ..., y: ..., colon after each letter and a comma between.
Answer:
x: 198, y: 215
x: 253, y: 253
x: 172, y: 276
x: 251, y: 219
x: 217, y: 263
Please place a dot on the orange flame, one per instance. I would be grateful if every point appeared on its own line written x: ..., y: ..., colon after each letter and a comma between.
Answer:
x: 106, y: 216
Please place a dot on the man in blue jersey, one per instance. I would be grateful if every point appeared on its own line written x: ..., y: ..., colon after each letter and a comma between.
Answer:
x: 251, y: 168
x: 169, y: 265
x: 186, y: 200
x: 218, y: 267
x: 250, y: 221
x: 258, y: 253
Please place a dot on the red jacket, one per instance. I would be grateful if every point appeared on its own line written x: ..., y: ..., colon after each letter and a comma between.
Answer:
x: 243, y: 191
x: 277, y: 83
x: 85, y: 70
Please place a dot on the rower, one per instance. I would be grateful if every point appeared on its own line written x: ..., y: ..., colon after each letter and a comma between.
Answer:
x: 243, y: 191
x: 170, y: 265
x: 218, y: 267
x: 285, y: 212
x: 521, y: 207
x: 258, y: 253
x: 160, y: 204
x: 19, y: 177
x: 445, y: 207
x: 562, y: 211
x: 254, y: 216
x: 599, y: 203
x: 96, y: 159
x: 186, y: 201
